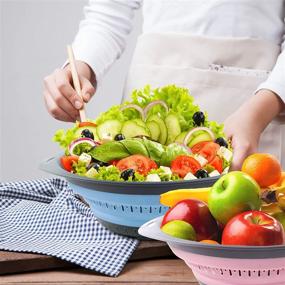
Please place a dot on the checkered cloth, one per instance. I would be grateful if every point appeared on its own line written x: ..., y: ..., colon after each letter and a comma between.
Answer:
x: 45, y: 216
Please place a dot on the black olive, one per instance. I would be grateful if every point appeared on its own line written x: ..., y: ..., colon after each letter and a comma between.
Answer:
x: 87, y: 134
x: 201, y: 173
x: 126, y: 174
x: 222, y: 142
x: 119, y: 137
x: 101, y: 163
x: 198, y: 118
x: 96, y: 166
x: 93, y: 165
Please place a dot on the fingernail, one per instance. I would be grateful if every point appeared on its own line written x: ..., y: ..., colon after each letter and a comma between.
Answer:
x: 77, y: 104
x: 87, y: 97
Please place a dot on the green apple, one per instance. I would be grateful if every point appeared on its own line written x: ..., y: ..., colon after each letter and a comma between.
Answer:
x: 233, y: 193
x: 281, y: 218
x: 179, y: 229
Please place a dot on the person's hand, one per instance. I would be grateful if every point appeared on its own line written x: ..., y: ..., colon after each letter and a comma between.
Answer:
x: 61, y: 100
x: 243, y: 136
x: 245, y: 126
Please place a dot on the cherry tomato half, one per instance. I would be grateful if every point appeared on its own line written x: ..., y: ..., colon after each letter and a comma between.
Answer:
x: 137, y: 162
x: 67, y: 162
x: 87, y: 124
x: 184, y: 164
x: 217, y: 163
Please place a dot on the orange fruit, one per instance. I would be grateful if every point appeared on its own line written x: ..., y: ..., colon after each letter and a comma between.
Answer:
x: 263, y: 167
x: 209, y: 241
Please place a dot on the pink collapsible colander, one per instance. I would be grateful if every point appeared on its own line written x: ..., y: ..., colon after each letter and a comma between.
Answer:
x: 224, y: 265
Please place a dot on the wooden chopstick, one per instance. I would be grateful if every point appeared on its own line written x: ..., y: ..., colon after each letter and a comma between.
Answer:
x: 76, y: 81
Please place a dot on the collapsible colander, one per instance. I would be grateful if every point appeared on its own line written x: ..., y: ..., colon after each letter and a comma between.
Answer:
x: 122, y: 207
x: 224, y: 265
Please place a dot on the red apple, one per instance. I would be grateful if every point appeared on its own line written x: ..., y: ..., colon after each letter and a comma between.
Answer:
x: 253, y: 228
x: 197, y: 214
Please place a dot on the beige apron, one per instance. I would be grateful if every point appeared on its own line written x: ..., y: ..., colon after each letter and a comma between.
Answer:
x: 220, y: 73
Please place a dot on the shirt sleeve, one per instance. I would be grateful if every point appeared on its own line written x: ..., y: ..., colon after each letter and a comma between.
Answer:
x: 101, y: 38
x: 276, y: 79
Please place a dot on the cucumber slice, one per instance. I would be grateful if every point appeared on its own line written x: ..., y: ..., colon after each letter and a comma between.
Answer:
x: 162, y: 127
x: 109, y: 129
x: 139, y: 122
x: 131, y: 129
x: 180, y: 138
x: 199, y: 137
x: 91, y: 129
x: 173, y: 128
x: 154, y: 130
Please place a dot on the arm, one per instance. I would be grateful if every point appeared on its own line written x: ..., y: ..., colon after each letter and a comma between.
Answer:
x: 245, y: 126
x: 99, y: 42
x: 102, y: 34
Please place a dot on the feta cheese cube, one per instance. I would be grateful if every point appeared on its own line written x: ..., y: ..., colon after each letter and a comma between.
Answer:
x: 166, y: 169
x: 91, y: 173
x: 153, y: 178
x: 86, y: 158
x: 214, y: 173
x: 225, y: 153
x: 189, y: 176
x: 202, y: 160
x: 226, y: 170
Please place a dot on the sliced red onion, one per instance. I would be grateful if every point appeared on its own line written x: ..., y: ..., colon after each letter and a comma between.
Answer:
x: 136, y: 107
x: 190, y: 133
x: 152, y: 104
x: 80, y: 141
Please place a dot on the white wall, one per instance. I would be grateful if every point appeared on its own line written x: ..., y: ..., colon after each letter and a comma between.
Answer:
x: 34, y: 35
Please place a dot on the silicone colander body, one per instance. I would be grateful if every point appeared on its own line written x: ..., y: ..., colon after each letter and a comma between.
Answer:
x: 225, y: 265
x: 122, y: 207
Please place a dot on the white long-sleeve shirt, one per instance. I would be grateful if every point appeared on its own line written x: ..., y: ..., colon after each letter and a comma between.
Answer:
x: 102, y: 34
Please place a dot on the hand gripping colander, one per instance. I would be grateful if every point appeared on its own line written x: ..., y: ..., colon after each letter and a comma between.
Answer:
x: 225, y: 265
x: 122, y: 207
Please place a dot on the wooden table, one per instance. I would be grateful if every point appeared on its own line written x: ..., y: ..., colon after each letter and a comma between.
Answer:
x: 155, y: 271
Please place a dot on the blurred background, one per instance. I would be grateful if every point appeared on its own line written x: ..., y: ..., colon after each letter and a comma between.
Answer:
x: 34, y: 35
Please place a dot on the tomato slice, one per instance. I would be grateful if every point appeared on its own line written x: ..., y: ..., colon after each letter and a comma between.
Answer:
x: 217, y: 163
x: 209, y: 150
x: 197, y: 147
x: 137, y: 162
x: 86, y: 124
x: 184, y: 164
x: 67, y: 162
x: 113, y: 162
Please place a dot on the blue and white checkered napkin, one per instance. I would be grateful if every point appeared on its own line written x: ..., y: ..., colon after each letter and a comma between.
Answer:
x: 45, y: 216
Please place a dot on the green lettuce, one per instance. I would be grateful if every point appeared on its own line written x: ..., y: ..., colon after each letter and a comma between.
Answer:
x: 172, y: 151
x: 64, y: 138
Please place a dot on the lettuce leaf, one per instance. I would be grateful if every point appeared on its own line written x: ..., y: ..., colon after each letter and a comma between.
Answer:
x: 64, y: 138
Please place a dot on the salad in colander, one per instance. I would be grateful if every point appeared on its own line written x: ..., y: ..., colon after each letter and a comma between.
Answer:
x: 160, y: 135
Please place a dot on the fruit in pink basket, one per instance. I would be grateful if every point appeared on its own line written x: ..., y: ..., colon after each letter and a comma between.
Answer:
x: 253, y: 228
x: 233, y: 193
x: 197, y: 214
x: 209, y: 241
x: 281, y: 218
x: 179, y: 229
x: 263, y: 167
